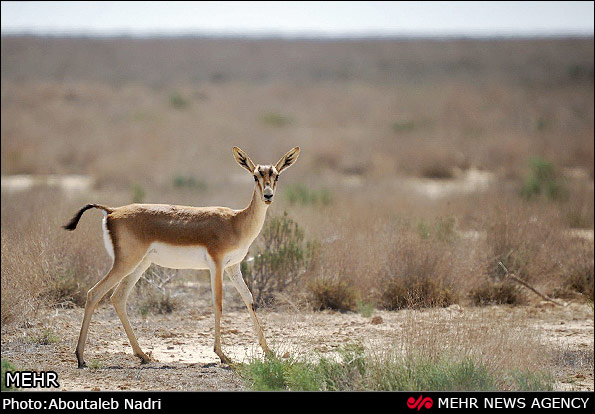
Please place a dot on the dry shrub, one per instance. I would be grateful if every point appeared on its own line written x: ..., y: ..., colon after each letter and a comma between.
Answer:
x: 417, y: 275
x: 501, y: 342
x: 505, y: 292
x: 332, y: 293
x: 529, y: 240
x: 577, y: 270
x: 22, y: 281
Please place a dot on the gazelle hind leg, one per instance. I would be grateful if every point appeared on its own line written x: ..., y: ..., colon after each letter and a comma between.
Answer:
x: 119, y: 298
x: 235, y: 275
x: 118, y: 271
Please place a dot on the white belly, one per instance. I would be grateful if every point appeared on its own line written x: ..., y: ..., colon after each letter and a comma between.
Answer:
x: 189, y: 257
x: 234, y: 257
x: 179, y: 257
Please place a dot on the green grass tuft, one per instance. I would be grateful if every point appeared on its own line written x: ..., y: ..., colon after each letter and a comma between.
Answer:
x: 7, y: 367
x: 355, y: 370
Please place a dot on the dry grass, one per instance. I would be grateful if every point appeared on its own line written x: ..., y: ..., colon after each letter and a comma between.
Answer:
x: 41, y: 263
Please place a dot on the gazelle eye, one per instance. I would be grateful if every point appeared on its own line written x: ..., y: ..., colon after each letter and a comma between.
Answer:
x: 255, y: 178
x: 277, y: 178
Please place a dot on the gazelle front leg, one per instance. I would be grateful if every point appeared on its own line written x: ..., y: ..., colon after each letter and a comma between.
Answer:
x: 217, y: 290
x: 235, y: 274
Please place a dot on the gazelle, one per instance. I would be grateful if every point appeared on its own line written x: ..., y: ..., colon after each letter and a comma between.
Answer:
x: 180, y: 237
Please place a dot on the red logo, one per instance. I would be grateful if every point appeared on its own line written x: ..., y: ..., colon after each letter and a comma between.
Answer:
x: 420, y: 402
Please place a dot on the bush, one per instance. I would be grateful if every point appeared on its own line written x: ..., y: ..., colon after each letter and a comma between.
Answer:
x: 156, y: 302
x: 416, y: 292
x: 178, y: 101
x: 155, y: 297
x: 529, y: 243
x: 416, y: 276
x: 543, y: 179
x: 497, y: 293
x: 332, y: 293
x: 578, y: 272
x: 281, y: 258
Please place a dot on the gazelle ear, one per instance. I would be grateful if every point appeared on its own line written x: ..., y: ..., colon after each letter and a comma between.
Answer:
x: 243, y: 159
x: 288, y: 159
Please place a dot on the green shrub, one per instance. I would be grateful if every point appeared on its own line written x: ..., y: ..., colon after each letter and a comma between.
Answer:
x: 281, y: 258
x: 138, y: 193
x: 275, y: 119
x: 178, y: 101
x: 543, y: 179
x: 403, y: 126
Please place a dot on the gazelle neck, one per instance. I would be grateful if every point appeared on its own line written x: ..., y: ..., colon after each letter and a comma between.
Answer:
x: 253, y: 216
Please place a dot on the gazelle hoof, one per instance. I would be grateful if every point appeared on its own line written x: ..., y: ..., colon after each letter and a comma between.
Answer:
x: 145, y: 359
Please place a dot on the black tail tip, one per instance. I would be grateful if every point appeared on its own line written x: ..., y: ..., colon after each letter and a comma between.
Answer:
x: 69, y: 227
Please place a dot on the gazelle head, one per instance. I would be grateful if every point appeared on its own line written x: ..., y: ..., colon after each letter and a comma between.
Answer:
x: 266, y: 176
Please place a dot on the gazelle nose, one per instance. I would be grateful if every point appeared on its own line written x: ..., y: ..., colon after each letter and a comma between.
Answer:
x: 268, y: 196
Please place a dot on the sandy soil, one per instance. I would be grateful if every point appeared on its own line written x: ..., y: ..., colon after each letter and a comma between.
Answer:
x: 181, y: 342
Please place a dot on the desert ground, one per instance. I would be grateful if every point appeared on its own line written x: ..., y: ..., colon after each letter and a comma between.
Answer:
x: 181, y: 343
x: 427, y: 166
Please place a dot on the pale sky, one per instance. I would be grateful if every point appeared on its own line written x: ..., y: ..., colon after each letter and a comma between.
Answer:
x: 300, y: 18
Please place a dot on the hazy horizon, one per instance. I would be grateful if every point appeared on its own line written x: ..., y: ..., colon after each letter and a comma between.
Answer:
x: 295, y: 20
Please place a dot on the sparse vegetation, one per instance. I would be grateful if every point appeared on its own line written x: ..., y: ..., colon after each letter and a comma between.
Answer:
x: 178, y: 101
x: 302, y: 195
x: 183, y: 181
x: 7, y: 367
x: 138, y: 193
x: 276, y: 119
x: 143, y: 128
x: 543, y: 179
x: 154, y: 295
x: 403, y: 126
x: 356, y: 370
x: 280, y: 260
x: 46, y: 337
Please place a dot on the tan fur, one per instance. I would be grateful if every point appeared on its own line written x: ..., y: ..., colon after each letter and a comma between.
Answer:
x: 226, y: 235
